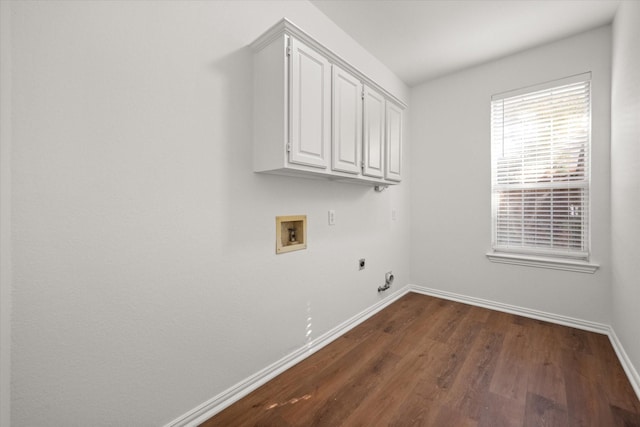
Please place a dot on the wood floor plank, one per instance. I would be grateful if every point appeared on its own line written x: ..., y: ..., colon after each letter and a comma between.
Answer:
x: 446, y: 324
x: 497, y: 320
x: 587, y: 403
x: 574, y: 339
x: 624, y: 418
x: 541, y: 411
x: 547, y: 380
x: 339, y: 405
x: 423, y: 328
x: 425, y: 361
x: 448, y: 416
x: 475, y: 375
x: 511, y: 377
x: 501, y: 411
x: 380, y: 406
x: 460, y: 344
x: 333, y: 378
x: 421, y: 407
x: 612, y: 376
x: 545, y: 341
x: 385, y: 319
x: 319, y: 378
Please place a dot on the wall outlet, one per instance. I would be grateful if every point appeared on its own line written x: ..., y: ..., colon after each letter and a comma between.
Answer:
x: 332, y: 217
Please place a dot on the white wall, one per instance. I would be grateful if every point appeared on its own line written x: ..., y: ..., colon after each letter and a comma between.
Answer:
x: 451, y: 182
x: 145, y: 279
x: 5, y: 214
x: 625, y: 179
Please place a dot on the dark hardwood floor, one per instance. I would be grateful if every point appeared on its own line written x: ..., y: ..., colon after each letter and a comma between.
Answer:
x: 433, y: 362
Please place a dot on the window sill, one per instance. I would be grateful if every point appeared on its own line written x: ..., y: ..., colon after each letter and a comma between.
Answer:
x: 543, y: 262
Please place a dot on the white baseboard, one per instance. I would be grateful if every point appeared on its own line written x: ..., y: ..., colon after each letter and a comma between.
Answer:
x: 629, y: 369
x: 586, y: 325
x: 216, y: 404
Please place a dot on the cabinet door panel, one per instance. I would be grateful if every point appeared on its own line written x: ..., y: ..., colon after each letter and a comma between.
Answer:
x: 346, y: 142
x: 393, y: 141
x: 373, y: 144
x: 310, y: 107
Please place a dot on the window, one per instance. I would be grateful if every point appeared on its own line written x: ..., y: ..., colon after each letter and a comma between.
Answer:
x: 540, y: 149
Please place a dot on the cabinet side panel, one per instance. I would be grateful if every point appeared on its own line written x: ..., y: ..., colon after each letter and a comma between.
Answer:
x: 270, y: 107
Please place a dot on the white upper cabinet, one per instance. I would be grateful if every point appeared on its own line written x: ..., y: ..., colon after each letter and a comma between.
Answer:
x: 347, y: 122
x: 373, y: 144
x: 393, y: 142
x: 316, y: 115
x: 310, y: 83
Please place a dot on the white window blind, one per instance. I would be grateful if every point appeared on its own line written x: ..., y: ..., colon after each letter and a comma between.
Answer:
x: 540, y: 149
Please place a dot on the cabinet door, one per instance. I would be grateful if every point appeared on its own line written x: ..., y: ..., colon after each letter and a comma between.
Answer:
x: 393, y: 142
x: 310, y: 106
x: 373, y: 142
x: 346, y: 141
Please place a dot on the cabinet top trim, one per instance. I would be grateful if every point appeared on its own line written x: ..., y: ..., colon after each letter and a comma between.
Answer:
x: 284, y: 26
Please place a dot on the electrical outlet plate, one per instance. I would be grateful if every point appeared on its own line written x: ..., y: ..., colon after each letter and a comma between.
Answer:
x: 332, y: 217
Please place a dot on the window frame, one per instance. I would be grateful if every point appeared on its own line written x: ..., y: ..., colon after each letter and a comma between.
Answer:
x: 526, y: 253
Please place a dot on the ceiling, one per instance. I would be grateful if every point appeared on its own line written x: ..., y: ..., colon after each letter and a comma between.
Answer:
x: 421, y: 40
